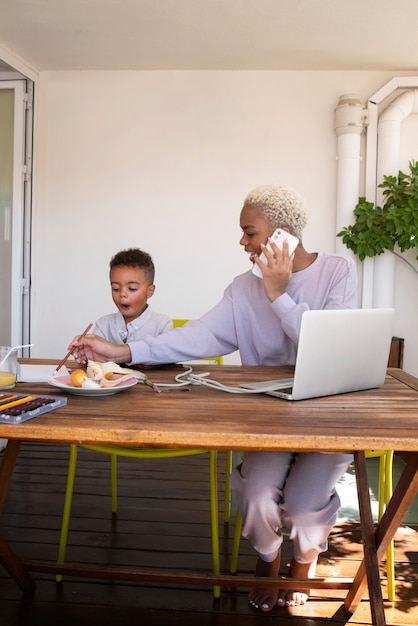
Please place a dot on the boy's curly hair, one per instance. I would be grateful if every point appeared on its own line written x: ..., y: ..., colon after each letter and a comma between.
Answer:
x: 134, y: 257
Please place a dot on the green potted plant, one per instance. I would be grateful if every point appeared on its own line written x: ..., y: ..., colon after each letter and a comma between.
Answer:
x: 394, y: 226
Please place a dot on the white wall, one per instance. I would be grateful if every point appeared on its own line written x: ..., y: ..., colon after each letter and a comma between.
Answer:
x: 163, y: 160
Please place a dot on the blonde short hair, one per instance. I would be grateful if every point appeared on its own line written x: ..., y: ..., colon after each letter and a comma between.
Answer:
x: 281, y: 206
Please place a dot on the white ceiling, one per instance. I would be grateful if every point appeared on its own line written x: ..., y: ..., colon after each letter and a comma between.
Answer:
x: 212, y: 34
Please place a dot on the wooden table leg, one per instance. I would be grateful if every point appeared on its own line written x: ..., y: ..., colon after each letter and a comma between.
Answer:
x: 7, y: 466
x: 369, y: 543
x: 10, y: 561
x: 402, y: 498
x: 15, y: 568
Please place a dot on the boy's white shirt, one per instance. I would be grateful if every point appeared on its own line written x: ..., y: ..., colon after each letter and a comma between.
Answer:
x: 113, y: 327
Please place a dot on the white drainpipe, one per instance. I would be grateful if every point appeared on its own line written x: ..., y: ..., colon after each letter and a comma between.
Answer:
x: 351, y: 118
x: 388, y: 149
x: 350, y: 121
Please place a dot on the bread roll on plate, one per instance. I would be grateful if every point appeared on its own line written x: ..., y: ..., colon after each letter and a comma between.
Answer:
x: 78, y: 377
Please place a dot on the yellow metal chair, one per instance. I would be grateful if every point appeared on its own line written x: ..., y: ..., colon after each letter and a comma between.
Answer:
x: 141, y: 453
x: 385, y: 494
x: 216, y: 359
x: 228, y: 459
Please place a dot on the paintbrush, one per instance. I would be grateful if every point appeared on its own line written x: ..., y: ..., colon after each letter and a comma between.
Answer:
x: 69, y: 353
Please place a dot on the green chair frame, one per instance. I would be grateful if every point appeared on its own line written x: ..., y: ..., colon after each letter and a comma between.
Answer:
x: 144, y: 453
x: 385, y: 494
x: 177, y: 323
x: 139, y: 453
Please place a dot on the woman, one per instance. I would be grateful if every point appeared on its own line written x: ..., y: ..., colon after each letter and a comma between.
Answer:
x: 261, y: 318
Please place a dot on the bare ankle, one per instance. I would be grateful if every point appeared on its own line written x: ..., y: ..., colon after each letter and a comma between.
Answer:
x: 270, y: 569
x: 260, y: 598
x: 302, y: 570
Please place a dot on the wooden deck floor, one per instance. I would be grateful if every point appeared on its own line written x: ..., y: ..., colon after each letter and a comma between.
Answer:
x: 163, y: 522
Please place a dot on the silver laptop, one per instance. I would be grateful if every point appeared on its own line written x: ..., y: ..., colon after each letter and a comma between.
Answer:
x: 339, y: 351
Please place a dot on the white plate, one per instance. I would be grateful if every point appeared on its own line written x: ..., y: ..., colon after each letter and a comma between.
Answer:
x: 64, y: 383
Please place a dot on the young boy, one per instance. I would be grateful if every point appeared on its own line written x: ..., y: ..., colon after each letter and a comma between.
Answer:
x: 132, y: 282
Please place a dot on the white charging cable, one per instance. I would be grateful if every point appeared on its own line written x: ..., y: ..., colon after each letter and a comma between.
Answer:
x: 179, y: 382
x: 201, y: 379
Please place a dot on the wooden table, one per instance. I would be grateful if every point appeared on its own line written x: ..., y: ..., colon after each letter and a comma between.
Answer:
x: 200, y: 417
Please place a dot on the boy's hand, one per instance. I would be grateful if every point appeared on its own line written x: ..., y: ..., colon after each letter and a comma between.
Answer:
x: 98, y: 349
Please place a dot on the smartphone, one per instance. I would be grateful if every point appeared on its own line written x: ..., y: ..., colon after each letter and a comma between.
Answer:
x: 278, y: 237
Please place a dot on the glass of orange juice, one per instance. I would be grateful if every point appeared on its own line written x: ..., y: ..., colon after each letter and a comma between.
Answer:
x: 8, y: 367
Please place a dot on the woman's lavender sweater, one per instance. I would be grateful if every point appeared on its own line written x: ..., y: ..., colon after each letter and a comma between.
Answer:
x: 264, y: 332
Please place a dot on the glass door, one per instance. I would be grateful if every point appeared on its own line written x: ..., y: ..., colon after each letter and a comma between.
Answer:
x: 15, y: 209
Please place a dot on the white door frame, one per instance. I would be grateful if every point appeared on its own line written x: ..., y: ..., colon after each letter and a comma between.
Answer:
x: 21, y: 209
